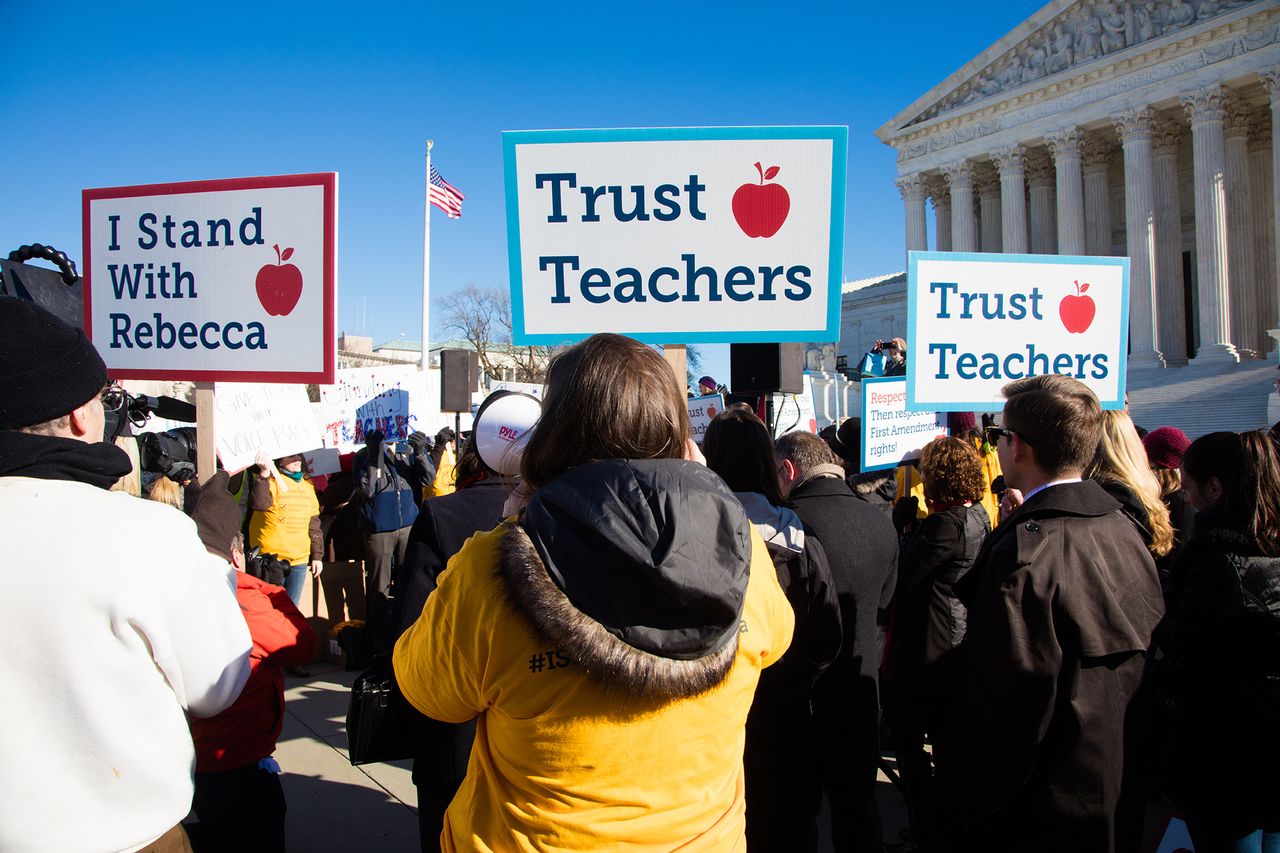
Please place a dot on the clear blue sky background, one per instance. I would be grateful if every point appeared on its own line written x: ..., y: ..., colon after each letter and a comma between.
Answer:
x: 99, y: 95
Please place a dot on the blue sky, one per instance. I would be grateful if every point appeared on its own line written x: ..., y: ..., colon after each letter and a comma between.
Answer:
x: 93, y: 96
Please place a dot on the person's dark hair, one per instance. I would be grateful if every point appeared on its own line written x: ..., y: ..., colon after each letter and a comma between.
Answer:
x: 608, y: 397
x: 1274, y: 434
x: 1058, y: 416
x: 737, y: 447
x: 805, y: 451
x: 1248, y: 467
x: 468, y: 469
x: 952, y: 471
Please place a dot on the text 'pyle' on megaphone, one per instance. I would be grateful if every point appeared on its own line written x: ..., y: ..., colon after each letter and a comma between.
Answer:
x: 501, y: 429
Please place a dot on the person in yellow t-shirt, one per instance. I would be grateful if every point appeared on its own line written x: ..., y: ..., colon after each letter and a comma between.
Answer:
x: 444, y: 457
x: 608, y: 636
x: 285, y: 518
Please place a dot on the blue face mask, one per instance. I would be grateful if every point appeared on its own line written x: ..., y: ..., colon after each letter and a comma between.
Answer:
x: 296, y: 476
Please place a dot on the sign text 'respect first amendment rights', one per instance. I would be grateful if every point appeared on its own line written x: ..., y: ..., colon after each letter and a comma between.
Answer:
x: 214, y: 280
x: 676, y: 235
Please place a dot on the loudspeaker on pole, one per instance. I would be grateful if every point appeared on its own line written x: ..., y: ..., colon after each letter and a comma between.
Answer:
x: 459, y: 378
x: 765, y: 368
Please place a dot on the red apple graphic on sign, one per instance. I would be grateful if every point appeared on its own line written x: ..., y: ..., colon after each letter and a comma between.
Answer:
x: 761, y: 208
x: 1077, y: 311
x: 279, y: 285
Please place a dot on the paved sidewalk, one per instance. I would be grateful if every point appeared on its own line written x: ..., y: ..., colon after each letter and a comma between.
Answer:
x: 332, y: 805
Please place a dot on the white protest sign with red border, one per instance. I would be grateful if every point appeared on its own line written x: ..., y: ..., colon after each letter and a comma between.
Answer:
x: 227, y: 280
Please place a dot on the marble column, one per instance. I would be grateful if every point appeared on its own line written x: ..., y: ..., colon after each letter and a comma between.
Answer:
x: 1171, y: 315
x: 1013, y: 198
x: 1205, y: 109
x: 912, y: 189
x: 1271, y: 82
x: 1262, y: 180
x: 1246, y: 325
x: 1134, y: 127
x: 964, y: 236
x: 986, y: 183
x: 1095, y: 161
x: 1065, y: 146
x: 940, y: 196
x: 1040, y: 174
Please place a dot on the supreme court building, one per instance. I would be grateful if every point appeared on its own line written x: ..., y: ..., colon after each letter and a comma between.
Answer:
x: 1147, y: 129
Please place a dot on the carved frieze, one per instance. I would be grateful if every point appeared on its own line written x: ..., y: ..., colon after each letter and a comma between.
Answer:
x: 1084, y: 33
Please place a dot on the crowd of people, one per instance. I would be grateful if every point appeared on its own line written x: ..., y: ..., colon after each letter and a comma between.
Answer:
x: 1057, y: 625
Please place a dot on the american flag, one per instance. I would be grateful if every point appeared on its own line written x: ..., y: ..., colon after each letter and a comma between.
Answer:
x: 445, y: 195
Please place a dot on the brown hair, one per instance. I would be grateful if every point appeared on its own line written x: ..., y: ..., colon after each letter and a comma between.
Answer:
x: 1248, y: 467
x: 1059, y: 417
x: 1170, y: 480
x: 952, y: 472
x: 1121, y: 458
x: 738, y: 448
x: 805, y: 451
x: 608, y: 397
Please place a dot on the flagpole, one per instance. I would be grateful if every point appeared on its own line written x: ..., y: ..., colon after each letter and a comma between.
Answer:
x: 426, y: 263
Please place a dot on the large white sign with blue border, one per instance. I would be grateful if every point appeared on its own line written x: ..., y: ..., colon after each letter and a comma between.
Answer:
x: 676, y: 235
x: 891, y: 434
x: 977, y: 322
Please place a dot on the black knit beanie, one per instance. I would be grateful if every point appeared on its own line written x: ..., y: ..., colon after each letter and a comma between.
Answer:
x: 47, y: 368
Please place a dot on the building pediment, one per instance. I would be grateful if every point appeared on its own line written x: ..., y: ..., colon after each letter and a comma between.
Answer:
x: 1063, y: 38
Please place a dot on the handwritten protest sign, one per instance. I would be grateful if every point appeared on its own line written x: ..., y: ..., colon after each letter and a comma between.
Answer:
x: 388, y: 399
x: 248, y: 418
x: 795, y: 412
x: 890, y: 433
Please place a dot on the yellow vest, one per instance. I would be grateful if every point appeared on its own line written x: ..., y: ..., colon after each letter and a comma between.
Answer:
x: 285, y: 528
x: 558, y: 761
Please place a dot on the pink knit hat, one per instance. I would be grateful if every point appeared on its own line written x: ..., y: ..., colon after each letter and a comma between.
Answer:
x: 1165, y: 447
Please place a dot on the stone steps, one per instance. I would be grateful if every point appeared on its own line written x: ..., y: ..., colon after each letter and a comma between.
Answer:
x: 1200, y: 399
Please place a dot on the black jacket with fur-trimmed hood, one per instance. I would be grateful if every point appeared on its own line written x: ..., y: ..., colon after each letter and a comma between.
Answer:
x: 664, y: 618
x: 609, y: 643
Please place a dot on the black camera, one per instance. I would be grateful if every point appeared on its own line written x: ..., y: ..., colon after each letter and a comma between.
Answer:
x: 171, y: 453
x: 266, y: 567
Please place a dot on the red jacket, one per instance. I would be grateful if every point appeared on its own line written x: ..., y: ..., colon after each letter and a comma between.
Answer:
x: 247, y: 731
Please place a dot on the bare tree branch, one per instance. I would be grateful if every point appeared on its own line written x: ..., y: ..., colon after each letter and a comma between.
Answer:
x: 482, y: 316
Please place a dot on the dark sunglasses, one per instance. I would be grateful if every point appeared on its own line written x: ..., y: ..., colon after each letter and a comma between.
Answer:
x: 993, y: 434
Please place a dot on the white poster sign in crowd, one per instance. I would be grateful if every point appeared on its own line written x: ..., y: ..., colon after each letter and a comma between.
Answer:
x: 701, y: 411
x: 977, y: 322
x: 250, y: 418
x: 676, y: 235
x: 795, y: 412
x: 228, y: 280
x: 890, y: 433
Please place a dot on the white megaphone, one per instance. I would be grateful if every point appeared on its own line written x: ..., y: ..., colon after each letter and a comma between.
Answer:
x: 501, y: 429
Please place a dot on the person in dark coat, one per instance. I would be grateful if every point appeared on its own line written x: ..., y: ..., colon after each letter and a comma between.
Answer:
x: 862, y: 550
x: 783, y: 793
x: 1217, y: 660
x: 929, y: 621
x: 875, y: 487
x: 444, y: 523
x: 422, y: 471
x: 1165, y: 447
x: 1063, y: 599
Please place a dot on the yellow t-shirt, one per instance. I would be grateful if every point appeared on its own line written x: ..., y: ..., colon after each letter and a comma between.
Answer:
x: 443, y: 484
x: 558, y: 764
x: 285, y: 528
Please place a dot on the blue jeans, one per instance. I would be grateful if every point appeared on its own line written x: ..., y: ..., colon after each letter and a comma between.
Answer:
x: 1217, y: 839
x: 293, y: 583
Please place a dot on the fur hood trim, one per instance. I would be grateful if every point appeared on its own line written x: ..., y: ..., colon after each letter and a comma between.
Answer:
x: 607, y: 661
